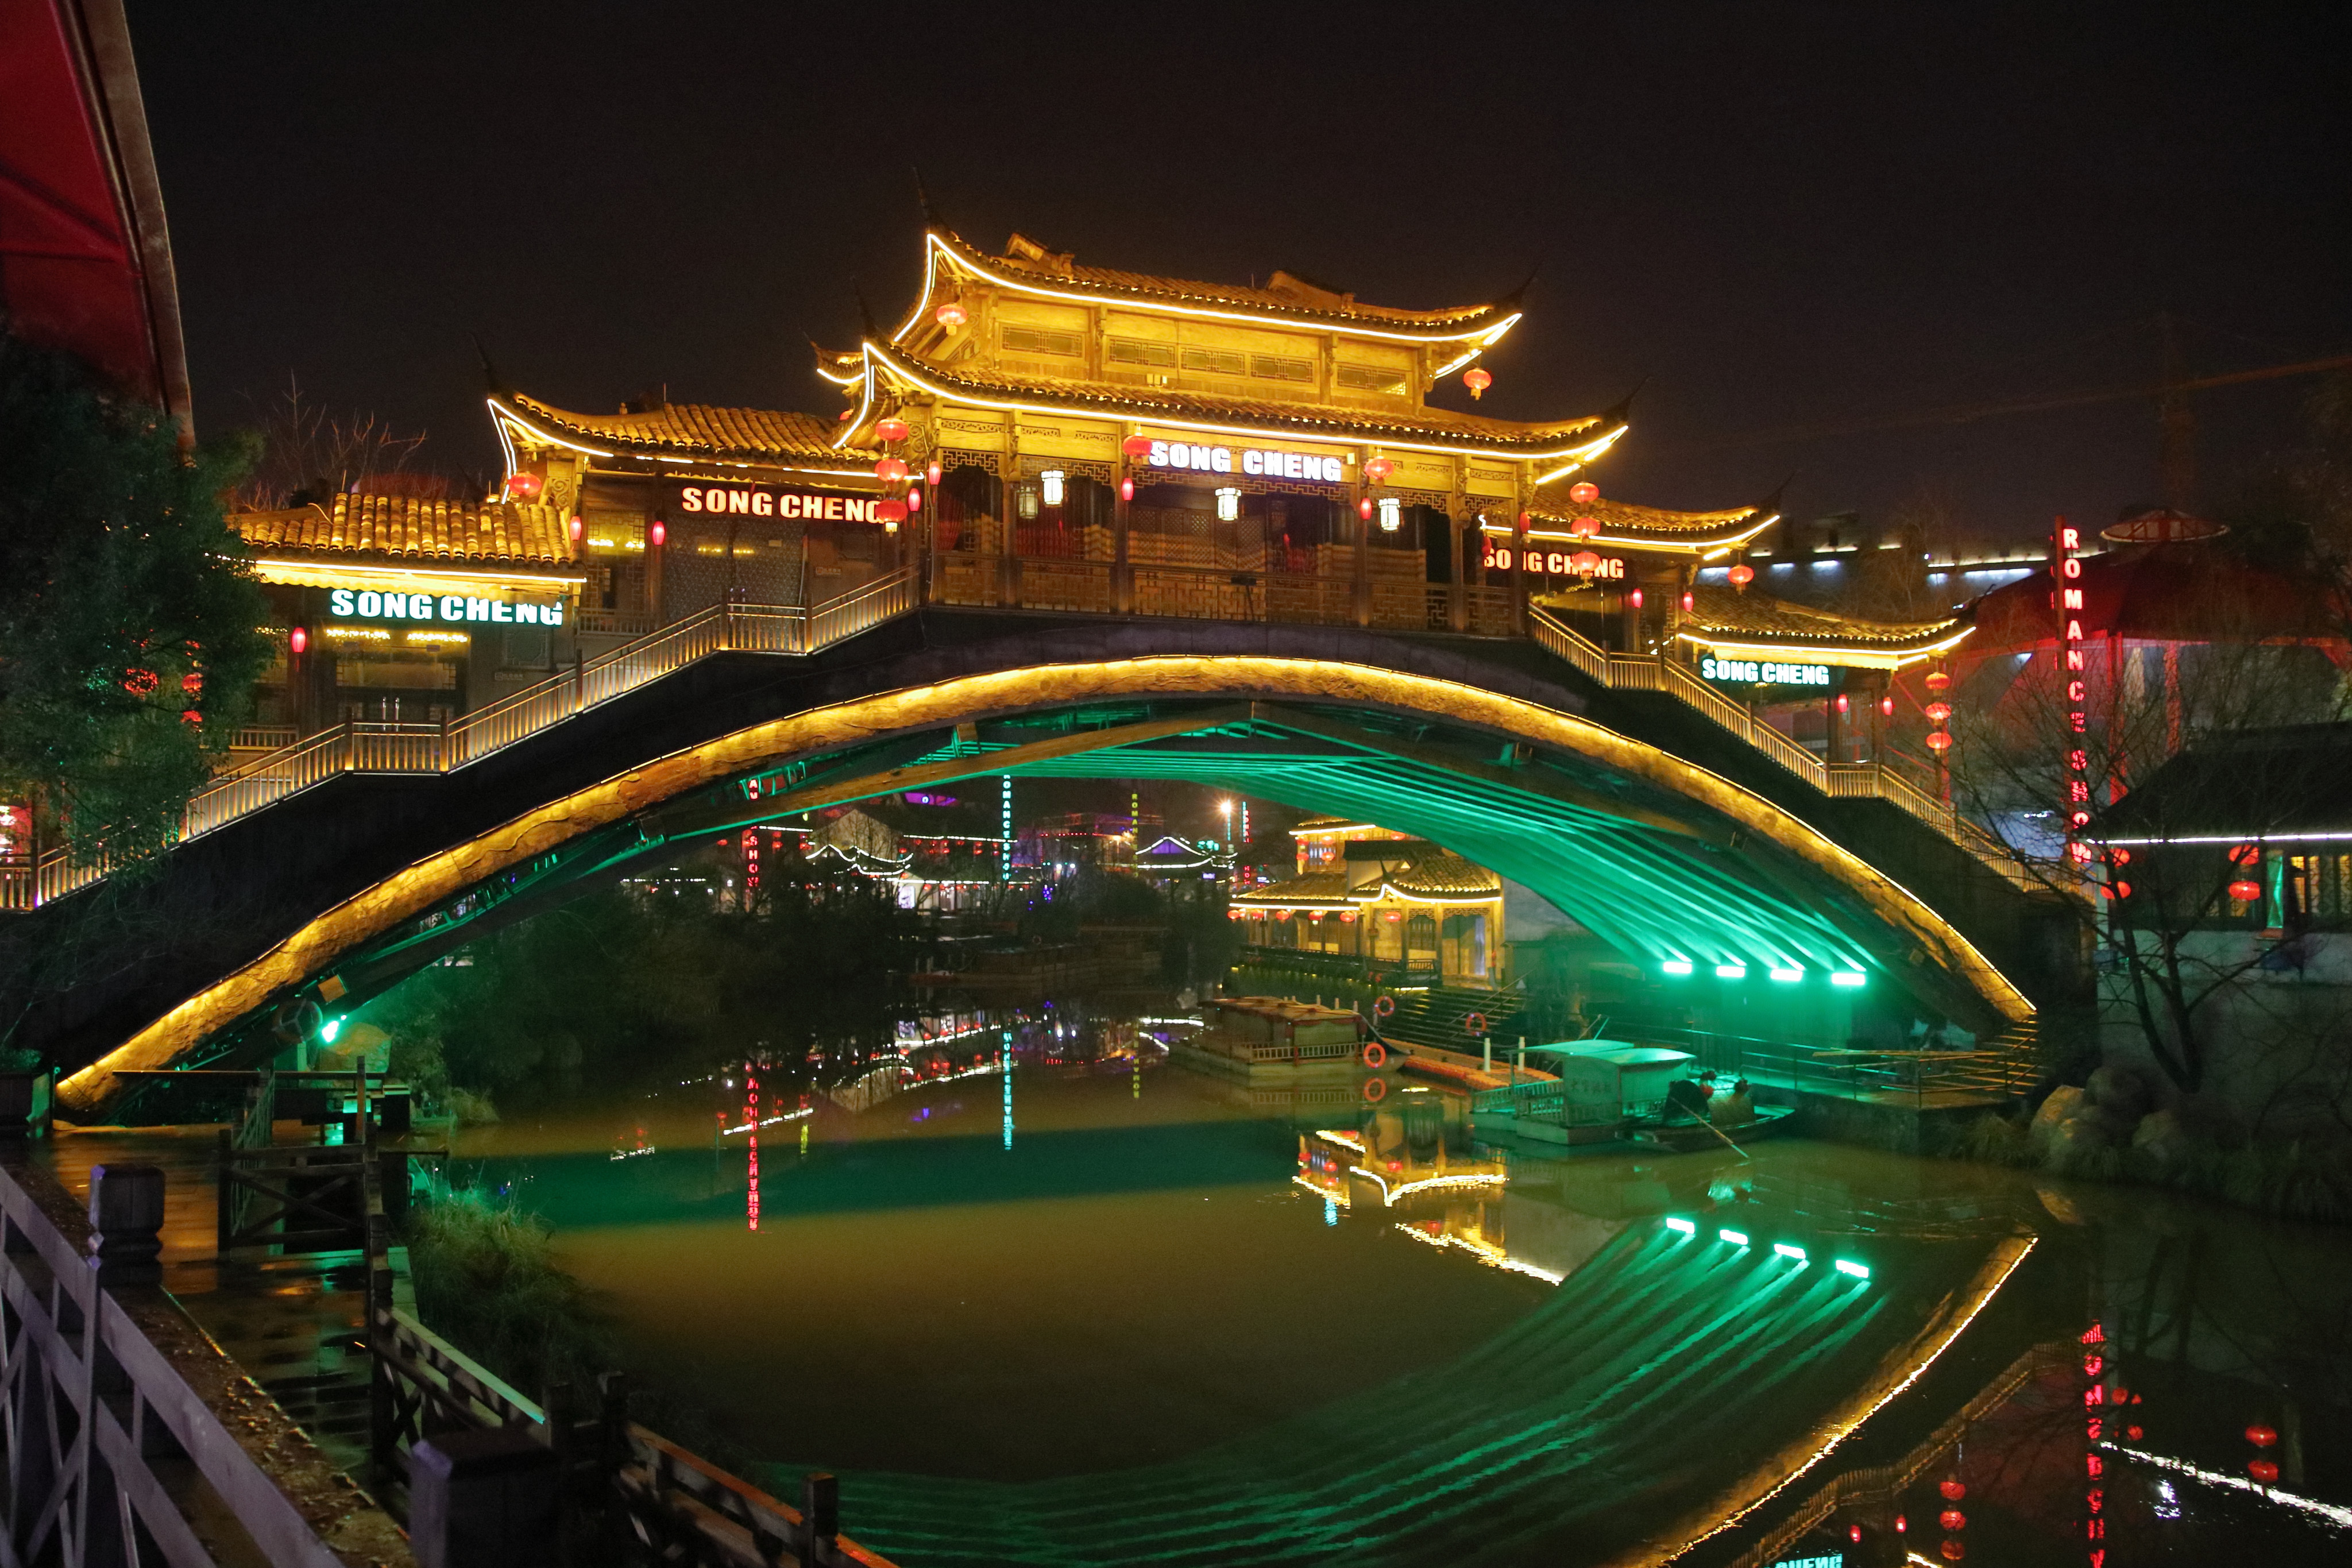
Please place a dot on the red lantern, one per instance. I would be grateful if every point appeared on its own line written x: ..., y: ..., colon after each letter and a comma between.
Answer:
x: 1634, y: 598
x: 892, y: 513
x: 914, y: 499
x: 1742, y: 574
x: 2134, y: 1433
x: 843, y: 416
x: 1137, y: 446
x: 1364, y: 508
x: 1686, y: 603
x: 1953, y: 1490
x: 2245, y: 892
x: 1886, y: 706
x: 190, y: 716
x: 140, y: 682
x: 1585, y: 527
x: 1901, y: 1524
x: 296, y: 640
x: 1939, y: 741
x: 1952, y: 1520
x: 1127, y: 490
x: 2122, y: 855
x: 2123, y: 890
x: 1584, y: 563
x: 2263, y: 1471
x: 1953, y: 1551
x: 1584, y: 492
x: 951, y: 316
x: 1378, y: 469
x: 932, y: 474
x: 525, y: 487
x: 1938, y: 680
x: 891, y: 430
x: 1853, y: 1533
x: 1841, y: 704
x: 658, y: 535
x: 2245, y: 855
x: 1477, y: 379
x: 890, y: 470
x: 2259, y: 1436
x: 192, y: 682
x: 1938, y: 712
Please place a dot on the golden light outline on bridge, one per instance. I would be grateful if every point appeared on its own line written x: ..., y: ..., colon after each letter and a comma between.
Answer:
x: 414, y: 891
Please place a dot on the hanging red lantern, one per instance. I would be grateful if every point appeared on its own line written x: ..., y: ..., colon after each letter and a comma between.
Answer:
x: 525, y: 487
x: 1853, y: 1533
x: 1953, y: 1489
x: 190, y: 716
x: 890, y: 429
x: 1137, y: 446
x: 1938, y: 680
x: 1953, y: 1551
x: 1686, y: 602
x: 2134, y: 1433
x: 2122, y: 855
x: 1952, y: 1518
x: 1477, y: 379
x: 890, y: 470
x: 2259, y: 1436
x: 2245, y: 855
x: 140, y: 682
x: 658, y: 535
x: 1584, y: 492
x: 1378, y: 469
x: 2123, y: 890
x: 1585, y: 527
x: 2263, y: 1471
x: 1634, y: 598
x: 192, y: 682
x: 298, y: 640
x: 1938, y: 712
x: 951, y: 316
x: 1364, y: 508
x: 843, y: 416
x: 1886, y: 706
x: 1841, y: 704
x: 914, y: 499
x: 1584, y: 563
x: 892, y: 513
x: 1939, y: 741
x: 1742, y: 574
x: 1127, y: 490
x: 578, y: 528
x: 1901, y: 1524
x: 932, y: 474
x: 2245, y: 892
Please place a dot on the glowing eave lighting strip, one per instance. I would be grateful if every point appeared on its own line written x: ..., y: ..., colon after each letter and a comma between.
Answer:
x: 848, y: 380
x: 930, y: 281
x: 500, y: 411
x: 2237, y: 838
x: 1485, y: 337
x: 1601, y: 446
x: 2332, y: 1512
x: 856, y: 421
x: 1726, y: 541
x: 339, y: 570
x: 1788, y: 653
x: 907, y: 374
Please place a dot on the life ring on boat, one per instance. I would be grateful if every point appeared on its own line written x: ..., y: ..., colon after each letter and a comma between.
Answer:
x: 1375, y: 1090
x: 1384, y: 1006
x: 1376, y: 1055
x: 1474, y: 1024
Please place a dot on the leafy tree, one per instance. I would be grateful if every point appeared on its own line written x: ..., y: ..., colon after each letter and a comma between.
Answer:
x: 131, y: 628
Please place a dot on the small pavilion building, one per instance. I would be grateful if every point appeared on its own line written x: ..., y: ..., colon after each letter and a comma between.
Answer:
x: 1404, y: 907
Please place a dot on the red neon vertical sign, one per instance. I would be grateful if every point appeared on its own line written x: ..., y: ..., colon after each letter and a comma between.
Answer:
x: 2066, y: 599
x: 751, y: 1121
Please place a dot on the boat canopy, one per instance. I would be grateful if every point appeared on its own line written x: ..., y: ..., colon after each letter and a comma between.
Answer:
x: 1613, y: 1076
x: 1615, y: 1052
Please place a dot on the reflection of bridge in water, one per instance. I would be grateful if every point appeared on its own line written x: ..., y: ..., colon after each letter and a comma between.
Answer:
x: 1661, y: 1352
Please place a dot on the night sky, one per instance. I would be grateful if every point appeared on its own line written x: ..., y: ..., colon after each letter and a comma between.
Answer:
x: 1768, y: 216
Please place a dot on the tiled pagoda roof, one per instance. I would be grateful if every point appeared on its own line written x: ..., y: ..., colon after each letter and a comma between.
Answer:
x: 1432, y: 874
x: 1316, y: 421
x: 1733, y: 617
x: 406, y: 528
x: 1551, y: 511
x: 1283, y: 298
x: 756, y: 434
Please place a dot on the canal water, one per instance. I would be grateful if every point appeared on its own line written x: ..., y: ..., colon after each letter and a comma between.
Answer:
x: 1066, y: 1304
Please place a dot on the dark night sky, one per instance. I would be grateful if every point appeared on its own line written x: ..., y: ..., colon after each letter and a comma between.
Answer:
x: 1778, y: 216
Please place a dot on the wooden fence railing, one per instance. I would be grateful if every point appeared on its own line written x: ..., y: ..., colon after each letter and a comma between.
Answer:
x: 129, y: 1439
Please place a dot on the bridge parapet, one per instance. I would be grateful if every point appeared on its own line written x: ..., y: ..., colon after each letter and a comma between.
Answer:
x: 356, y: 747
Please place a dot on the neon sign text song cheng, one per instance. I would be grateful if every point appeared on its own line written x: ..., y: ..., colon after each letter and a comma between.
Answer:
x: 1764, y: 674
x: 370, y: 605
x: 1250, y: 460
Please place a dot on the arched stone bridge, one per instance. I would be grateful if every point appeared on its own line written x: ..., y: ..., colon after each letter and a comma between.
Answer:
x: 1667, y: 835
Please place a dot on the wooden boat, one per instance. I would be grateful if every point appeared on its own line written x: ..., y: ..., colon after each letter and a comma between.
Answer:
x: 1689, y: 1137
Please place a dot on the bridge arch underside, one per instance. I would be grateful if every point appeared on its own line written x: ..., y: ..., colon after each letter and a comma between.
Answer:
x: 1666, y: 862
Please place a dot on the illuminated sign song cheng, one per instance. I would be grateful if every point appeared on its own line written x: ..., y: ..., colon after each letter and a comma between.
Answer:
x: 1248, y: 460
x: 367, y: 605
x: 1755, y: 672
x: 738, y: 500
